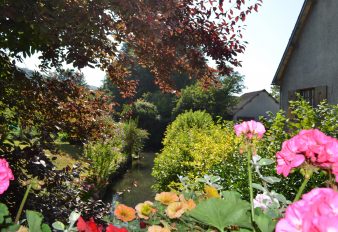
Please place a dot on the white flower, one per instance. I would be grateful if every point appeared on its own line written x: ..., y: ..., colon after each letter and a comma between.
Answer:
x: 264, y: 201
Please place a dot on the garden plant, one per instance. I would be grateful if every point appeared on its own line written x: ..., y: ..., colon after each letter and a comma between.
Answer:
x: 210, y: 208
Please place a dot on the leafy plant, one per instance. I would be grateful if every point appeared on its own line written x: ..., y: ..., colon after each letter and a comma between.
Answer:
x: 217, y: 100
x: 105, y: 157
x: 6, y: 223
x: 223, y: 213
x: 133, y: 138
x: 279, y: 128
x: 192, y: 145
x: 34, y: 220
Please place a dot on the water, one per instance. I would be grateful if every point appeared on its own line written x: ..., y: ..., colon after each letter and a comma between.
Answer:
x: 134, y: 186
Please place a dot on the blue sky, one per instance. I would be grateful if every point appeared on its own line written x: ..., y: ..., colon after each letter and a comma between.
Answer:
x: 267, y: 33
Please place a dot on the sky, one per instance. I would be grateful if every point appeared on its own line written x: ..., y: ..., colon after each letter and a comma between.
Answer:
x: 267, y: 33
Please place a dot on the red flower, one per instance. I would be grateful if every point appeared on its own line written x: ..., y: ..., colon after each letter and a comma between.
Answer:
x: 143, y: 224
x: 112, y: 228
x: 89, y: 226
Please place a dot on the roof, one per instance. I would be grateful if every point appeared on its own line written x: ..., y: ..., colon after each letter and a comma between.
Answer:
x: 292, y: 41
x: 247, y: 98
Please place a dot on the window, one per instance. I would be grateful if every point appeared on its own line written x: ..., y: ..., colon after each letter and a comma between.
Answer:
x: 312, y: 95
x: 308, y: 95
x: 245, y: 118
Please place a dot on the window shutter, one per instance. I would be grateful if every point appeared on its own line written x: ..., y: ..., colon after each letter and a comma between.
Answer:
x: 320, y: 94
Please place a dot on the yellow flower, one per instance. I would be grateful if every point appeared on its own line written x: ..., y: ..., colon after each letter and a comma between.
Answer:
x: 124, y: 213
x: 190, y: 204
x: 158, y: 229
x: 211, y: 192
x: 166, y: 197
x: 144, y: 210
x: 176, y: 209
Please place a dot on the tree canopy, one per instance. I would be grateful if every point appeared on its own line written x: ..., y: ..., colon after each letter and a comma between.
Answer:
x: 165, y: 36
x: 216, y: 100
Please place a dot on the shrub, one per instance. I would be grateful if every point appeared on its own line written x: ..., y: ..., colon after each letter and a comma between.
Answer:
x: 133, y: 138
x: 279, y: 129
x: 217, y: 100
x: 186, y: 121
x: 61, y: 192
x: 192, y: 145
x: 147, y: 117
x: 105, y: 157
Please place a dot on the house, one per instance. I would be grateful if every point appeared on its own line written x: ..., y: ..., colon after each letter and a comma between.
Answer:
x: 309, y: 65
x: 254, y: 104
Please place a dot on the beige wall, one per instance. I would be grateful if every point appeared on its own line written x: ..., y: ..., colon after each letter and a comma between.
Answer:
x: 258, y: 107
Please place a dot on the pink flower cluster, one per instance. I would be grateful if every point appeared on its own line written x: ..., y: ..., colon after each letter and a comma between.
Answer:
x: 316, y: 212
x: 5, y: 175
x: 312, y: 146
x: 250, y: 129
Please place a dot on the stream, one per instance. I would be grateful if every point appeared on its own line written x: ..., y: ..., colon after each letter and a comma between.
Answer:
x: 135, y: 185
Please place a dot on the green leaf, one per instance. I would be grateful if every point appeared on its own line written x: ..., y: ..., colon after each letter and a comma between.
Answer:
x: 265, y: 223
x: 259, y: 187
x: 34, y: 220
x: 231, y: 196
x: 265, y: 161
x: 221, y: 213
x: 74, y: 216
x: 271, y: 179
x: 58, y: 225
x: 244, y: 230
x: 45, y: 228
x: 281, y: 198
x: 3, y: 212
x: 11, y: 228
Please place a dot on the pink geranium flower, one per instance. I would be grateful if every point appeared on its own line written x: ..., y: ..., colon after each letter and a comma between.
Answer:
x: 250, y: 129
x: 286, y: 161
x: 311, y: 146
x: 317, y: 211
x: 5, y: 175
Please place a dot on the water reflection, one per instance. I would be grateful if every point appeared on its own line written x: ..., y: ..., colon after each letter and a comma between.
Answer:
x: 134, y: 186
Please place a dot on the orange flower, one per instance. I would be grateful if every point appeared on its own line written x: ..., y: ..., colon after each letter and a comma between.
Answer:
x: 158, y: 229
x: 124, y: 213
x: 211, y: 192
x: 190, y: 204
x: 166, y: 197
x: 144, y: 210
x: 176, y: 209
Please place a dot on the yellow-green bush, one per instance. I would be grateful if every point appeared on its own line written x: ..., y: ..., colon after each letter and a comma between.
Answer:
x: 105, y: 157
x: 191, y: 150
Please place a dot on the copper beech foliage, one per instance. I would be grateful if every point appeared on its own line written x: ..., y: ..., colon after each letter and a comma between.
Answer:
x: 166, y: 36
x: 52, y: 104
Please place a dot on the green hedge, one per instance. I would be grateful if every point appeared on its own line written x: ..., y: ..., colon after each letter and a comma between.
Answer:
x: 193, y: 144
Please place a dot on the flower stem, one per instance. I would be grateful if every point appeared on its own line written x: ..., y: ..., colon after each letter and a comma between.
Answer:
x: 301, y: 188
x: 18, y: 215
x: 249, y: 154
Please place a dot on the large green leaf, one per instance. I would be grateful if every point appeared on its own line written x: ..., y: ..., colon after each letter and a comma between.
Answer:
x: 265, y: 222
x: 221, y: 213
x: 231, y: 196
x: 34, y: 220
x: 3, y: 212
x: 11, y: 228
